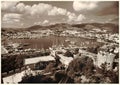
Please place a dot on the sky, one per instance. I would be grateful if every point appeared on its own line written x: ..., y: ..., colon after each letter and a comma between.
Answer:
x: 22, y: 14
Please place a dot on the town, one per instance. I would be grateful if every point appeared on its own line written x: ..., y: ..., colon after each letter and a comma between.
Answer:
x: 92, y: 59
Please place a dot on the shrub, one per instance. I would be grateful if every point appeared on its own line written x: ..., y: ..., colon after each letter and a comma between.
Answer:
x: 83, y: 65
x: 68, y: 54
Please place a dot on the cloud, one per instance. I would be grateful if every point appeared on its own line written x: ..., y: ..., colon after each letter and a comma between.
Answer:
x: 40, y: 8
x: 36, y: 13
x: 8, y: 5
x: 20, y: 7
x: 22, y: 24
x: 73, y: 18
x: 38, y: 23
x: 35, y: 9
x: 57, y: 11
x: 45, y: 22
x: 81, y: 17
x: 97, y: 8
x: 11, y: 18
x: 80, y: 5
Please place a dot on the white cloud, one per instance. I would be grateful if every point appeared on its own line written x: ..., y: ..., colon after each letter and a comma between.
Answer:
x: 20, y: 7
x: 36, y: 9
x: 8, y: 5
x: 34, y: 12
x: 11, y: 18
x: 45, y: 22
x: 40, y: 8
x: 38, y: 23
x: 80, y: 17
x: 71, y: 16
x: 80, y: 5
x: 27, y: 9
x: 57, y: 11
x: 62, y: 11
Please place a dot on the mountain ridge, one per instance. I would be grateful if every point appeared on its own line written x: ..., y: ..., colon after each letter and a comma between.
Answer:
x: 63, y: 26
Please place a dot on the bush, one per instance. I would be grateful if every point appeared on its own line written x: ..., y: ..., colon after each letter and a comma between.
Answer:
x: 68, y: 54
x: 11, y: 63
x: 59, y: 75
x: 108, y: 76
x: 76, y: 51
x: 50, y: 67
x: 37, y: 79
x: 83, y: 65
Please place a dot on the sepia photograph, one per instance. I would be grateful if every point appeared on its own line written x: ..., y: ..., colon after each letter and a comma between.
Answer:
x: 59, y: 42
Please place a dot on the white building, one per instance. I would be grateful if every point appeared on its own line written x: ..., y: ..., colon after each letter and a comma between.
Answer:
x: 38, y: 59
x: 65, y: 60
x: 103, y: 57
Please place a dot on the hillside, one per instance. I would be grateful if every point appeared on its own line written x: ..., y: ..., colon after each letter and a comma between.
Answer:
x: 114, y: 28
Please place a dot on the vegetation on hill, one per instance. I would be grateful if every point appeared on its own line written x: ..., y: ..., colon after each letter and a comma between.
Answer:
x: 114, y: 28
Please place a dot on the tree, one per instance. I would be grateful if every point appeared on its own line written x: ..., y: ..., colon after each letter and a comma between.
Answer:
x: 83, y: 66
